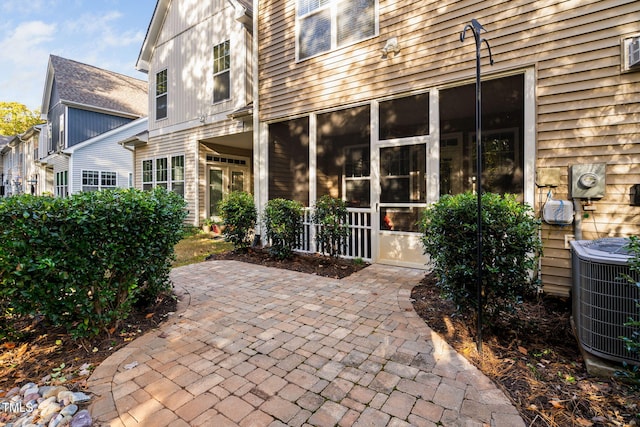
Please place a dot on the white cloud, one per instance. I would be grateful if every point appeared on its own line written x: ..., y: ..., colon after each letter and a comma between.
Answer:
x: 24, y: 53
x: 26, y: 40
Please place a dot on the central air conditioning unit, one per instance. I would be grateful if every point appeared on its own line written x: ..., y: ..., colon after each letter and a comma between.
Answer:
x: 603, y: 297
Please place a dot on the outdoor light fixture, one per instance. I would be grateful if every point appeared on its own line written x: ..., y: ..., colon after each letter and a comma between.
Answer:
x: 392, y: 45
x: 476, y: 28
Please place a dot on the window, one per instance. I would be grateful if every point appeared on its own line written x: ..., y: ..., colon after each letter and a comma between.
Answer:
x: 161, y: 172
x: 62, y: 184
x: 107, y: 180
x: 221, y: 73
x: 147, y: 174
x: 161, y: 95
x: 177, y: 175
x: 156, y: 173
x: 327, y: 24
x: 90, y: 180
x: 97, y: 180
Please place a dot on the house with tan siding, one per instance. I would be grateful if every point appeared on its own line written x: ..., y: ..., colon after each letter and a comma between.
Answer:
x: 373, y: 101
x: 200, y: 138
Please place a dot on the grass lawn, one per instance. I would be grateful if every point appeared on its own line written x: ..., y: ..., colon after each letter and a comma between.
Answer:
x: 196, y: 246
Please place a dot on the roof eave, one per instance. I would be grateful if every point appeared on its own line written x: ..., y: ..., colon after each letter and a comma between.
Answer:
x: 153, y: 31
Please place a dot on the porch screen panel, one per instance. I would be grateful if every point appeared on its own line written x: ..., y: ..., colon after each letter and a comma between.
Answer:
x: 502, y: 137
x: 344, y: 155
x: 289, y: 160
x: 404, y: 117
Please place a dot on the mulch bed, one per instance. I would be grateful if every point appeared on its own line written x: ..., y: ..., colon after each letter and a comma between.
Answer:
x: 535, y: 358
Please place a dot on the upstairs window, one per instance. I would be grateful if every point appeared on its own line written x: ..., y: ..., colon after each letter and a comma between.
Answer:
x: 328, y: 24
x: 221, y: 72
x: 161, y: 95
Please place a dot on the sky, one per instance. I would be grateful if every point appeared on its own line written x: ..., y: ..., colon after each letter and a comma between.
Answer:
x: 104, y: 33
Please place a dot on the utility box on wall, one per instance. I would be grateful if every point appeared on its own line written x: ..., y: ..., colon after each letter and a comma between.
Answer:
x: 588, y: 181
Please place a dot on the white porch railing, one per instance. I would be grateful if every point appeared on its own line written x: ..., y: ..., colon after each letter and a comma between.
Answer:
x: 358, y: 243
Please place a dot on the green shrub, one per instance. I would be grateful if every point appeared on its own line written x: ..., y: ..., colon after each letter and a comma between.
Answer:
x: 283, y: 226
x: 83, y: 261
x: 511, y: 247
x: 330, y: 216
x: 632, y: 372
x: 239, y: 218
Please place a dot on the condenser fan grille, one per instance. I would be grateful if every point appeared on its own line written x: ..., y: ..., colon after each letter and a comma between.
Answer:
x: 603, y: 298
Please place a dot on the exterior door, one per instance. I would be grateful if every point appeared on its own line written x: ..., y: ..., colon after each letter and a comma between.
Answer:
x: 215, y: 190
x: 223, y: 180
x: 402, y: 197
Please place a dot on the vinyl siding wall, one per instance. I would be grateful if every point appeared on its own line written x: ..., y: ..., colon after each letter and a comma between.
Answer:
x: 587, y: 110
x: 104, y: 154
x: 186, y: 142
x: 185, y: 49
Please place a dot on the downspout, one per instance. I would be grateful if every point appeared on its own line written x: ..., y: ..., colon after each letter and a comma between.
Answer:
x: 197, y: 181
x: 257, y: 158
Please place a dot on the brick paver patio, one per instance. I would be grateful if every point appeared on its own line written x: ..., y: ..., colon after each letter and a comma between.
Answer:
x: 257, y: 346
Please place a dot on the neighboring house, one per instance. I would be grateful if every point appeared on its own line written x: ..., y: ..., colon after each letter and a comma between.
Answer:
x: 4, y: 163
x: 80, y: 102
x: 16, y: 175
x: 99, y: 164
x: 374, y: 101
x: 198, y: 58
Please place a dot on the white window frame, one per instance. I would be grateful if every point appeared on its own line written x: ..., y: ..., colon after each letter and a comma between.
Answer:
x: 220, y: 70
x: 332, y: 7
x: 62, y: 183
x: 100, y: 177
x: 93, y: 186
x: 172, y: 174
x: 108, y: 175
x: 164, y: 94
x: 171, y: 183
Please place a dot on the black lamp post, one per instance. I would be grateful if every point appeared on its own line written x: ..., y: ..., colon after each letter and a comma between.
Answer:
x: 476, y: 28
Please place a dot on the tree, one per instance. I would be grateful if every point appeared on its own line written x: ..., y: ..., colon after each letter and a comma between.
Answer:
x: 16, y: 118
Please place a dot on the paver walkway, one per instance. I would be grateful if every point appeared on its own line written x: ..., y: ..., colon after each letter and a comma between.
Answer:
x: 258, y: 346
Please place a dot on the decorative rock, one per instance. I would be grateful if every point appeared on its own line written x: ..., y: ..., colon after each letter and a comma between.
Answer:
x: 65, y: 421
x: 69, y: 410
x: 43, y: 406
x: 30, y: 390
x: 14, y: 391
x: 26, y: 386
x: 52, y: 408
x: 31, y: 397
x: 54, y: 391
x: 55, y: 422
x: 81, y: 419
x: 79, y: 397
x: 65, y: 396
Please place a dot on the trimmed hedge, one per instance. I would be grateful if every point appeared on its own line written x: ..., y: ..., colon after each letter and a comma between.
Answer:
x: 331, y: 218
x: 83, y: 261
x: 239, y: 216
x: 511, y: 246
x: 283, y: 225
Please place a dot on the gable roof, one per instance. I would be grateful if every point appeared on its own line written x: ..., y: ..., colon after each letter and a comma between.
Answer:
x: 89, y: 87
x: 244, y: 15
x: 4, y: 141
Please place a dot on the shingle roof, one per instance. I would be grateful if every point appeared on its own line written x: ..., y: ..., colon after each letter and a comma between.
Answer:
x: 88, y: 85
